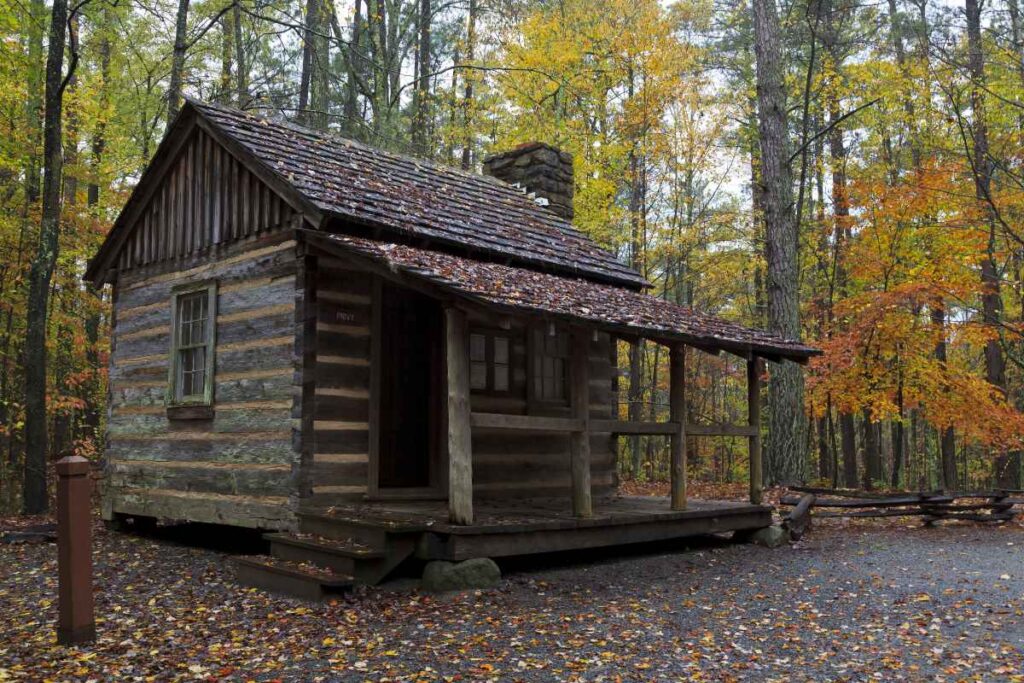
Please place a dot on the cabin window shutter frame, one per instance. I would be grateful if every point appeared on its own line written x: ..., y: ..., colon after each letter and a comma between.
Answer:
x: 490, y: 363
x: 184, y: 407
x: 539, y: 342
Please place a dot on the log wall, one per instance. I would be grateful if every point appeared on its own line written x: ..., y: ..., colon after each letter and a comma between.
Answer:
x: 237, y: 468
x: 519, y: 464
x: 341, y: 423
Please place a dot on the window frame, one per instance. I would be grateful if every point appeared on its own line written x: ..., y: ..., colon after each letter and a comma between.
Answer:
x: 174, y: 375
x: 534, y: 357
x: 489, y: 334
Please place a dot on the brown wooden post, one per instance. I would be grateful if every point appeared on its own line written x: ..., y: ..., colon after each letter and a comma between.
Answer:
x: 754, y: 420
x: 579, y: 366
x: 677, y: 413
x: 460, y: 448
x: 75, y: 621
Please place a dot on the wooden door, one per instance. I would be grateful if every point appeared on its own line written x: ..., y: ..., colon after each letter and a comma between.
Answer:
x: 410, y: 393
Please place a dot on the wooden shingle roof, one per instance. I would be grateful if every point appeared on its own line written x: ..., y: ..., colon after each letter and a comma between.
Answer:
x: 615, y: 309
x: 419, y: 199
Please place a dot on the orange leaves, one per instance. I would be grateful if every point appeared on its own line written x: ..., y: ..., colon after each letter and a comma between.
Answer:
x: 913, y: 251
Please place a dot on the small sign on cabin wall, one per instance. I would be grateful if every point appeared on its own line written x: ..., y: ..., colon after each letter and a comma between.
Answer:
x: 344, y: 317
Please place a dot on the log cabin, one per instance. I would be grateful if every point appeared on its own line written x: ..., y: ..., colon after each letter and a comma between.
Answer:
x: 312, y: 336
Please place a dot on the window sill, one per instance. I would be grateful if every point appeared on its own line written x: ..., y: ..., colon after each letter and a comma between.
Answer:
x: 187, y: 412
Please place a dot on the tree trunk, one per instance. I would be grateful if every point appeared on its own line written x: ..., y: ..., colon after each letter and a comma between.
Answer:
x: 872, y: 452
x: 1005, y: 466
x: 34, y: 494
x: 422, y: 92
x: 355, y: 64
x: 787, y: 430
x: 824, y: 456
x: 34, y: 102
x: 227, y: 56
x: 241, y: 70
x: 467, y: 100
x: 178, y: 60
x: 899, y: 439
x: 99, y: 137
x: 848, y: 442
x: 947, y: 439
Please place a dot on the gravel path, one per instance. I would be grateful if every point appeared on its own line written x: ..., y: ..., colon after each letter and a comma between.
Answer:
x: 849, y: 603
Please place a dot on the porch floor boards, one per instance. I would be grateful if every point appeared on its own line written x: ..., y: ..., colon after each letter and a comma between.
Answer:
x: 528, y: 526
x: 528, y: 514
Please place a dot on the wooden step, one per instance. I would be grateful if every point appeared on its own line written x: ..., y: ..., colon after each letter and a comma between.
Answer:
x: 368, y: 564
x: 295, y: 579
x: 345, y: 528
x: 339, y: 555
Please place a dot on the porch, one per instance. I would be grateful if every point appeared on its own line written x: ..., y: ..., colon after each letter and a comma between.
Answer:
x: 527, y: 526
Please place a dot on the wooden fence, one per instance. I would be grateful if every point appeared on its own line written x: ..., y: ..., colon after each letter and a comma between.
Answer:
x: 975, y: 506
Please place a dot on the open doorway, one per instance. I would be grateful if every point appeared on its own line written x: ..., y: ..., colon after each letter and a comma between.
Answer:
x: 411, y: 392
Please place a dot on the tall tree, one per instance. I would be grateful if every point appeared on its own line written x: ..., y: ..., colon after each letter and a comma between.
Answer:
x: 468, y: 79
x: 981, y: 163
x: 421, y: 105
x: 174, y: 89
x: 787, y: 423
x: 34, y: 490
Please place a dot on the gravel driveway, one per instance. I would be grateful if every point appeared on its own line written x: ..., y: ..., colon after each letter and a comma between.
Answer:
x: 848, y: 603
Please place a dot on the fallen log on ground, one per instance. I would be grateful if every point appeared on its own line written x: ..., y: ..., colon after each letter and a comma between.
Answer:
x: 799, y: 518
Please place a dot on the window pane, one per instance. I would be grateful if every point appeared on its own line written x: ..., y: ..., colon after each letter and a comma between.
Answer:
x: 192, y: 372
x: 477, y: 347
x: 192, y: 318
x: 477, y: 375
x: 501, y: 378
x: 501, y: 350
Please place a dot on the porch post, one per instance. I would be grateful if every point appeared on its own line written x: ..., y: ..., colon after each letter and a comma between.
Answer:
x: 677, y: 413
x: 579, y: 397
x: 460, y: 449
x: 754, y: 420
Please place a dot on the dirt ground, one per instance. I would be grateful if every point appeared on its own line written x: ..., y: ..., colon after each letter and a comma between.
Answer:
x: 848, y: 603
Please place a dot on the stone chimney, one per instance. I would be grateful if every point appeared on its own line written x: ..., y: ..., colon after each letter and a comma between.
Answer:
x: 538, y: 168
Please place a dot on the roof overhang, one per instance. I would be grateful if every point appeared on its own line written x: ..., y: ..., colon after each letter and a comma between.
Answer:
x: 494, y: 287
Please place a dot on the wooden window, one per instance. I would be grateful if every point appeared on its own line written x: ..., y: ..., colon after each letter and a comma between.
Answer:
x: 490, y: 362
x: 194, y: 315
x: 550, y: 365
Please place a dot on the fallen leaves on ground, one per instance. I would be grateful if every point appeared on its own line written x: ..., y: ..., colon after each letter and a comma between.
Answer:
x: 846, y: 604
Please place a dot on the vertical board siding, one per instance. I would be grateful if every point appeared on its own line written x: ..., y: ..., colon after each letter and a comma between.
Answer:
x: 238, y: 467
x: 342, y: 406
x: 206, y: 200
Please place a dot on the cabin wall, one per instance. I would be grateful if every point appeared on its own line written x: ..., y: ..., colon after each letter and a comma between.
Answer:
x: 506, y: 464
x: 341, y: 424
x: 239, y: 467
x: 520, y: 464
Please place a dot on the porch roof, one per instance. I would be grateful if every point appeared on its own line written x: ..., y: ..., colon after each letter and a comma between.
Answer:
x: 615, y: 309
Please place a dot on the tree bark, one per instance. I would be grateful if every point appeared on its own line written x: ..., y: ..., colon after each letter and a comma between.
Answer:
x: 1006, y: 466
x: 178, y: 61
x: 872, y: 452
x: 313, y: 86
x: 355, y: 62
x: 467, y: 99
x: 848, y: 444
x: 227, y: 56
x: 34, y: 102
x: 241, y: 70
x: 787, y: 423
x: 422, y: 92
x: 34, y: 489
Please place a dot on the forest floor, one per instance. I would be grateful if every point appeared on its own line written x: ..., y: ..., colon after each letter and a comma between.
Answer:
x: 850, y: 602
